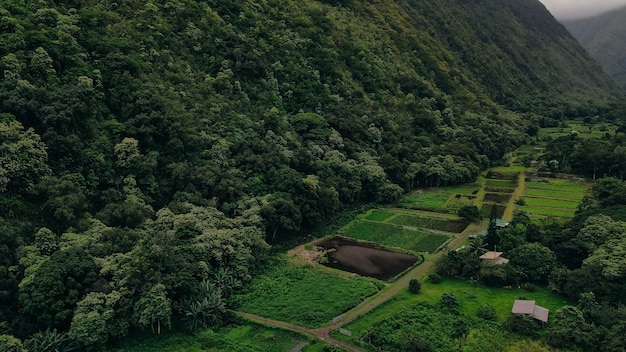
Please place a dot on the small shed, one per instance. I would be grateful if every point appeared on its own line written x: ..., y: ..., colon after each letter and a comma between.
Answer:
x: 527, y: 307
x: 495, y: 257
x: 501, y: 224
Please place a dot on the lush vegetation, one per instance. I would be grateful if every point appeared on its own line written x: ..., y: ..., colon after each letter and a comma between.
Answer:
x: 395, y: 236
x: 238, y: 336
x: 302, y: 295
x: 440, y: 224
x: 151, y: 149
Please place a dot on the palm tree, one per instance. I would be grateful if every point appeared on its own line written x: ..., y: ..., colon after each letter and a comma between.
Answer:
x: 477, y: 246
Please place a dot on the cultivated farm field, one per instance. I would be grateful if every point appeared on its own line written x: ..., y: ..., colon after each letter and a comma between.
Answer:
x: 395, y: 236
x: 303, y: 294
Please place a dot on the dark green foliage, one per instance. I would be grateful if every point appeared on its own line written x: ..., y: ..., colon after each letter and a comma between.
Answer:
x: 464, y: 264
x: 49, y: 293
x: 534, y: 261
x: 568, y: 328
x: 166, y: 141
x: 492, y: 239
x: 415, y: 286
x: 523, y: 324
x: 449, y: 300
x: 469, y: 212
x: 486, y: 311
x: 434, y: 278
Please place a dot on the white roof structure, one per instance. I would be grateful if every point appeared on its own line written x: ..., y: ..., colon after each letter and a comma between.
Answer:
x: 521, y: 306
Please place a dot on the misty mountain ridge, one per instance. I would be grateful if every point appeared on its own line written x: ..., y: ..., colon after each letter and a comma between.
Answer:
x: 604, y: 37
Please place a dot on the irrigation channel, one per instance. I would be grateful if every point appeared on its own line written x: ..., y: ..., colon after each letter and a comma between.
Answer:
x: 323, y: 333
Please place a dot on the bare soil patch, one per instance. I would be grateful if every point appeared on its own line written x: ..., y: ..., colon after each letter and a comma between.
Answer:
x: 365, y: 259
x: 498, y: 198
x: 307, y: 252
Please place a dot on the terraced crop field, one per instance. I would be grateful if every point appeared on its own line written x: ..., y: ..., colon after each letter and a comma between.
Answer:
x: 395, y: 236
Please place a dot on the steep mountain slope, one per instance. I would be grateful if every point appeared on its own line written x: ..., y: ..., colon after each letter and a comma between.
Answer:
x: 155, y: 145
x: 604, y: 37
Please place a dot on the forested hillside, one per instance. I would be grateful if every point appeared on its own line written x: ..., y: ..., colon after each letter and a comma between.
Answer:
x: 151, y: 149
x: 603, y: 36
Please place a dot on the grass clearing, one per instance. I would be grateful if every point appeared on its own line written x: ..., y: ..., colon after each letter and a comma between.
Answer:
x: 302, y: 295
x: 429, y: 200
x: 555, y: 212
x: 377, y: 215
x: 470, y: 295
x: 551, y: 203
x: 539, y: 193
x: 443, y: 199
x: 496, y: 183
x: 395, y: 236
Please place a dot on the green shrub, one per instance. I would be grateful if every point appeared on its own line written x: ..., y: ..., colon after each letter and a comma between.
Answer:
x: 415, y: 286
x: 523, y: 325
x: 486, y: 311
x: 434, y: 278
x: 449, y: 300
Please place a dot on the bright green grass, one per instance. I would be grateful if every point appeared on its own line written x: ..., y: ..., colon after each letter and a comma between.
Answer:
x: 551, y: 203
x: 430, y: 243
x: 302, y: 295
x: 554, y: 194
x: 562, y: 213
x: 378, y: 215
x: 394, y: 236
x: 457, y: 203
x: 429, y: 200
x: 244, y: 337
x: 500, y: 183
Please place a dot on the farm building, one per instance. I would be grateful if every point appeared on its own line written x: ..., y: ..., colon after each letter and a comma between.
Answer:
x: 495, y: 257
x: 526, y: 307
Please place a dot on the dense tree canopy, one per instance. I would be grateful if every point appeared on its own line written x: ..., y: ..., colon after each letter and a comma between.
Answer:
x: 150, y: 150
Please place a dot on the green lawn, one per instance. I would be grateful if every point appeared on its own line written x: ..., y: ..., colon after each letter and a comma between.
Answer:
x: 302, y: 295
x: 563, y: 213
x: 444, y: 199
x: 394, y: 236
x: 377, y: 215
x: 551, y: 203
x: 429, y: 200
x: 500, y: 183
x: 455, y: 203
x: 554, y: 194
